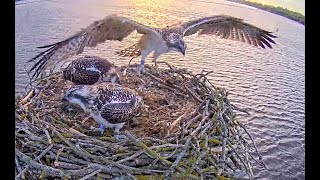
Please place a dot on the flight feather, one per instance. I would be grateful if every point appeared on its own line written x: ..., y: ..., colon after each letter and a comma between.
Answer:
x: 111, y: 27
x: 228, y: 27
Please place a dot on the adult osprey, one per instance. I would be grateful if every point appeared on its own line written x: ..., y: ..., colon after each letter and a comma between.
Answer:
x: 111, y: 105
x: 157, y: 40
x: 90, y: 70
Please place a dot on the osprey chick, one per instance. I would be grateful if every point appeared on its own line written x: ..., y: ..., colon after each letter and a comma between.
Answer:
x: 90, y: 70
x: 111, y: 105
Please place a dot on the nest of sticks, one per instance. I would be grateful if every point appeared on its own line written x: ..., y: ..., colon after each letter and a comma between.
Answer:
x: 188, y: 130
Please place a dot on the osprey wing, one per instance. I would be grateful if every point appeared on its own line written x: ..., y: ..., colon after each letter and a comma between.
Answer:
x: 110, y: 28
x: 228, y: 27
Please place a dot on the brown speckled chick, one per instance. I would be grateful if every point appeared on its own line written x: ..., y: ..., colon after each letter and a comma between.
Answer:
x: 111, y: 105
x: 89, y: 70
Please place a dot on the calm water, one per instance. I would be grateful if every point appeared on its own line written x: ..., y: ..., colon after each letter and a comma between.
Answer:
x: 271, y: 83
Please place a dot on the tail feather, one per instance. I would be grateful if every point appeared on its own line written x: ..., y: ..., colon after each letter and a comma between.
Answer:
x: 132, y: 51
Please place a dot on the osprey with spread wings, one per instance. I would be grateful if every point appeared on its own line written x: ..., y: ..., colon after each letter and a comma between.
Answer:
x: 156, y: 40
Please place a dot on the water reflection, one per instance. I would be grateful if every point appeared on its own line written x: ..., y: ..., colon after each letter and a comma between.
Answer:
x: 152, y: 12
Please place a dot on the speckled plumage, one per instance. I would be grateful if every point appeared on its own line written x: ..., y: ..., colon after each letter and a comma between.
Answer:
x: 157, y: 40
x: 90, y: 70
x: 109, y: 104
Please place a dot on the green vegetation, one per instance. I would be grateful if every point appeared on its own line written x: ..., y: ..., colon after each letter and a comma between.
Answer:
x: 295, y: 16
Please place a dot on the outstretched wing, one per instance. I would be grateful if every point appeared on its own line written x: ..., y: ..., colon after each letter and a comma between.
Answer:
x: 110, y: 28
x: 228, y: 27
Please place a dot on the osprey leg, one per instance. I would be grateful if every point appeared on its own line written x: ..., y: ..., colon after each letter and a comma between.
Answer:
x: 144, y: 54
x: 101, y: 129
x: 140, y: 68
x: 155, y: 57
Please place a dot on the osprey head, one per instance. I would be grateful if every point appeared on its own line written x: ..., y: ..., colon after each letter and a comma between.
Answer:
x: 115, y: 78
x: 175, y: 43
x: 112, y: 76
x: 77, y: 95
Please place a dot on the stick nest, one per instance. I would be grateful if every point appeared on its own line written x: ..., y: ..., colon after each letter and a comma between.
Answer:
x: 188, y: 130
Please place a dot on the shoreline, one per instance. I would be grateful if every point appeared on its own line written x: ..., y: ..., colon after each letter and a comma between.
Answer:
x: 292, y: 15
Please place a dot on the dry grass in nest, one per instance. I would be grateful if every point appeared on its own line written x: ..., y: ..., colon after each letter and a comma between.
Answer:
x: 189, y: 130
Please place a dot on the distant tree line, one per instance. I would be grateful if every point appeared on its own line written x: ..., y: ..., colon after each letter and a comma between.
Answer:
x: 295, y: 16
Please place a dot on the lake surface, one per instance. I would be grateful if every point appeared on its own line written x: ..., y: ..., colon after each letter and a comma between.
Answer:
x: 269, y: 82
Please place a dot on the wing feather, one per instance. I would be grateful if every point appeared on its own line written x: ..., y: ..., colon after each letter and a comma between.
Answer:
x: 228, y: 27
x: 109, y: 28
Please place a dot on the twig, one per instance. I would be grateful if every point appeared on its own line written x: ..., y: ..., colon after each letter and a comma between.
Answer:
x: 203, y: 153
x: 44, y: 152
x: 64, y: 165
x: 254, y: 145
x: 164, y: 84
x: 192, y: 120
x: 50, y: 171
x: 178, y: 159
x: 242, y: 161
x: 17, y: 164
x: 224, y: 141
x: 81, y: 152
x: 73, y: 131
x: 203, y: 74
x: 142, y: 151
x: 48, y: 136
x: 28, y: 96
x: 194, y: 132
x: 125, y: 70
x: 207, y: 107
x: 21, y: 173
x: 192, y: 94
x: 172, y: 89
x: 240, y: 109
x: 58, y: 154
x: 148, y: 150
x: 91, y: 174
x: 176, y: 122
x: 35, y: 159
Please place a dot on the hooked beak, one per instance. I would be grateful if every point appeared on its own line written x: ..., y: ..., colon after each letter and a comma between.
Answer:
x: 116, y: 79
x: 64, y: 99
x: 183, y: 52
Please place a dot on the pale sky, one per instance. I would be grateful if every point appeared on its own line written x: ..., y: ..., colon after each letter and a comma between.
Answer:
x: 294, y: 5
